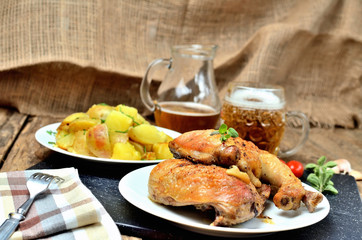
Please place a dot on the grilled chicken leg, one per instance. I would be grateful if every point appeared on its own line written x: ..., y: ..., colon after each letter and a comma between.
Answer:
x: 203, y: 146
x: 179, y: 182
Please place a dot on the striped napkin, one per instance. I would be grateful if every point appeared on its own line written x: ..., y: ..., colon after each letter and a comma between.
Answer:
x: 65, y: 211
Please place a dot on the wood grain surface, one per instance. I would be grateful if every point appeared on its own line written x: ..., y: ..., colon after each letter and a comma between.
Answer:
x: 19, y: 149
x: 23, y: 150
x: 11, y: 123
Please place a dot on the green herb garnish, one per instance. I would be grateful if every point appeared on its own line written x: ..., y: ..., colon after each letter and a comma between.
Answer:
x: 50, y: 132
x: 134, y: 121
x: 52, y: 143
x: 119, y: 131
x: 225, y: 132
x: 320, y: 179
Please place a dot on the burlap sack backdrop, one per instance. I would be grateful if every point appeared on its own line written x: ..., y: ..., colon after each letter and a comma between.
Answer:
x: 61, y: 56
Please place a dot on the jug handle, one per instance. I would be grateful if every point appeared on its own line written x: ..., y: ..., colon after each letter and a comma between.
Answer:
x: 146, y: 81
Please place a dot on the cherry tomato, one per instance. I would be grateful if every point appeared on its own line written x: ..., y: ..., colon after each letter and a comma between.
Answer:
x: 296, y: 167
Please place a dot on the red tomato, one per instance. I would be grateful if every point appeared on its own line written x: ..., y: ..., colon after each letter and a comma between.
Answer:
x: 296, y: 167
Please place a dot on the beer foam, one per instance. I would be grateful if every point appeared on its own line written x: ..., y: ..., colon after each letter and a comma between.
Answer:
x: 251, y: 98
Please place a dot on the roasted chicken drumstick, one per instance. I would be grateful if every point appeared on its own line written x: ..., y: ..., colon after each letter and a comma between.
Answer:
x: 202, y: 146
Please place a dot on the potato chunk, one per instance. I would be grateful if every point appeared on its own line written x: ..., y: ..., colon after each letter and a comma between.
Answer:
x: 64, y: 139
x: 98, y: 141
x: 147, y: 134
x: 117, y: 121
x: 74, y: 116
x: 99, y: 111
x: 129, y: 111
x: 80, y: 124
x: 125, y: 151
x: 162, y: 151
x: 139, y: 120
x: 80, y: 144
x: 115, y: 137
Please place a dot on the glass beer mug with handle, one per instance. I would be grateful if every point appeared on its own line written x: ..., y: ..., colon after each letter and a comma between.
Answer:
x: 187, y: 98
x: 256, y: 111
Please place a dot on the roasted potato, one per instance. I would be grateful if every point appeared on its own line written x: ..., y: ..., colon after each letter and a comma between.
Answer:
x: 80, y: 144
x: 162, y: 151
x: 98, y: 142
x: 146, y: 134
x: 125, y: 151
x: 116, y: 136
x: 129, y: 111
x: 99, y: 111
x: 112, y: 132
x: 80, y: 124
x: 64, y: 139
x: 117, y: 121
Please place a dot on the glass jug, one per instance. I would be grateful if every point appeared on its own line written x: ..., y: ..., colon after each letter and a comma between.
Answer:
x: 187, y: 98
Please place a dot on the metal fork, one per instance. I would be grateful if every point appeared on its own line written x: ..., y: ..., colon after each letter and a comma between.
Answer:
x: 36, y: 184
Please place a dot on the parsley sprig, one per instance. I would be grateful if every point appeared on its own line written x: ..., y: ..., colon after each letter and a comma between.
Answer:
x: 320, y: 179
x: 50, y: 132
x: 225, y: 132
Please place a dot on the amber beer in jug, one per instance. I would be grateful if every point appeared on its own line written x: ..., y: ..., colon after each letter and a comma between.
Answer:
x: 257, y: 114
x: 183, y: 116
x: 187, y: 99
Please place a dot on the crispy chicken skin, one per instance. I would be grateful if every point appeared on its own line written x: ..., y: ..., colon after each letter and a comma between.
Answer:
x: 203, y: 147
x: 289, y: 188
x: 179, y: 182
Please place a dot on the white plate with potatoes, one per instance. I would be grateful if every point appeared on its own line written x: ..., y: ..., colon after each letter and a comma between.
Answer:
x: 46, y: 137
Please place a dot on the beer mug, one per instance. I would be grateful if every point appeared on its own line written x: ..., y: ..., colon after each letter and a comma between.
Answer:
x: 257, y: 113
x: 187, y: 98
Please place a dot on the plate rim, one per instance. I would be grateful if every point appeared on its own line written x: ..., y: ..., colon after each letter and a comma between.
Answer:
x: 215, y: 230
x: 53, y: 127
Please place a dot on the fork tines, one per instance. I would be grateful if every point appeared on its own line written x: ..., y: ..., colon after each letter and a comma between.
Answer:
x: 46, y: 177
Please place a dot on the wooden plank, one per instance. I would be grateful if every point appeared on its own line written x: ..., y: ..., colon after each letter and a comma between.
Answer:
x: 26, y: 151
x: 11, y: 123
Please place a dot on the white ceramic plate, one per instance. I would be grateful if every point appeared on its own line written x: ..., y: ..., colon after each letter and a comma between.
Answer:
x: 46, y: 137
x: 134, y: 189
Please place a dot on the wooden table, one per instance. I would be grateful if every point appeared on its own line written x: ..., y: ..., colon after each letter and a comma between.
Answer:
x: 19, y: 149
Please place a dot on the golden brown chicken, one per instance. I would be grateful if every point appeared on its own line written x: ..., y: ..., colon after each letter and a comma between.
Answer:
x: 179, y: 182
x: 203, y: 146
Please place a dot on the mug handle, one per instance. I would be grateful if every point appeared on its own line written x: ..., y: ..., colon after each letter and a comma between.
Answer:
x: 304, y: 136
x: 146, y: 81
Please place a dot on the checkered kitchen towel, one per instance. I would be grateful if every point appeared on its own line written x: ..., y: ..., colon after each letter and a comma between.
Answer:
x: 65, y: 211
